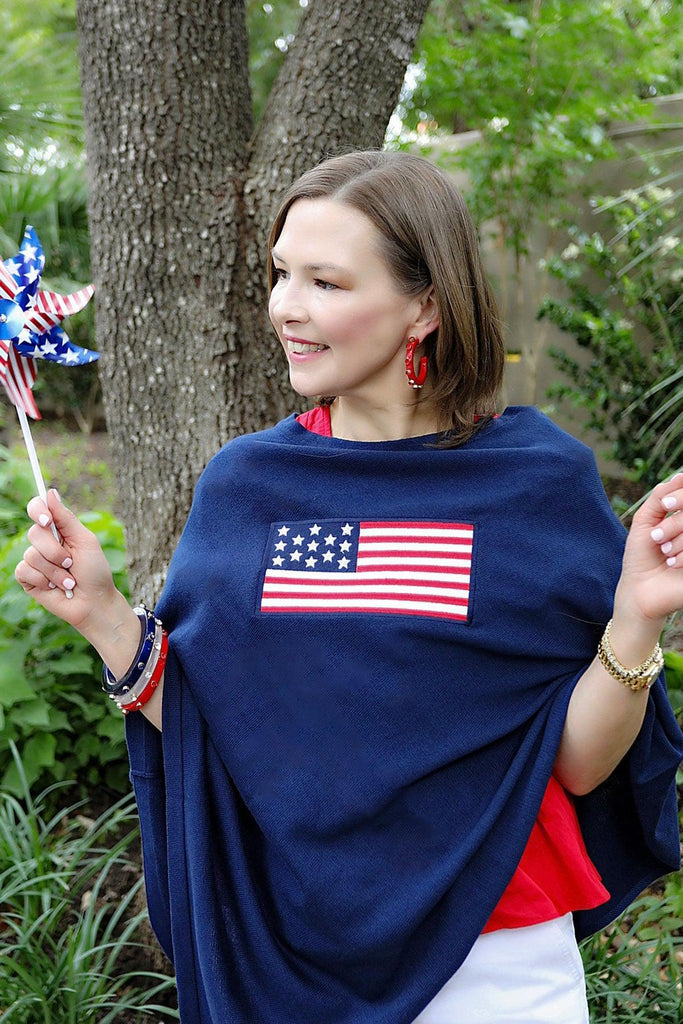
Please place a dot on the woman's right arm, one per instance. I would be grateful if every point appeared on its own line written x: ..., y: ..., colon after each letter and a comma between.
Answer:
x: 49, y: 571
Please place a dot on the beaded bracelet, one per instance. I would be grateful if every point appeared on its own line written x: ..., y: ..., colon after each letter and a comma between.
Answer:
x: 149, y: 625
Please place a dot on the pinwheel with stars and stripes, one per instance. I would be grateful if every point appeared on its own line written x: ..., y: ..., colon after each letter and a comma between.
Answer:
x: 29, y: 324
x: 29, y: 330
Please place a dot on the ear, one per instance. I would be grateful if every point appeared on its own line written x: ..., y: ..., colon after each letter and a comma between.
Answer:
x: 428, y: 315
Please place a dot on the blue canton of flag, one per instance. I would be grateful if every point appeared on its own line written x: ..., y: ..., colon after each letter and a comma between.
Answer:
x: 399, y: 568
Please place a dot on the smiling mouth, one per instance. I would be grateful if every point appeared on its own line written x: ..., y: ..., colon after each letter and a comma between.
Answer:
x: 302, y: 347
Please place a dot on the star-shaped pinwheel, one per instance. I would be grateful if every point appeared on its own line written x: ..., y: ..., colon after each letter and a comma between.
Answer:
x: 29, y: 324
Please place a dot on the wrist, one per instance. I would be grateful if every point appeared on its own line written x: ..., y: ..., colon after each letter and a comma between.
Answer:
x: 633, y: 635
x: 633, y: 640
x: 114, y: 631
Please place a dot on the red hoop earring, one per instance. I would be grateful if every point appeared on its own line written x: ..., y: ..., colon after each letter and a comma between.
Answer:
x: 416, y: 380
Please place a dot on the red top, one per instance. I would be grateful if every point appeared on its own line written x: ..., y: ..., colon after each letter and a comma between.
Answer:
x: 555, y: 874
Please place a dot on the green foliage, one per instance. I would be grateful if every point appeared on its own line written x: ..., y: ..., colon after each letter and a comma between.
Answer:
x: 272, y: 27
x: 40, y: 103
x: 633, y: 968
x: 673, y: 664
x: 51, y: 704
x: 632, y: 330
x: 16, y: 489
x: 523, y: 75
x: 65, y: 939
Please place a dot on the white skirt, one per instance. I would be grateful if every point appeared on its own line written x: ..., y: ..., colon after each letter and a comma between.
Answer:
x: 531, y: 975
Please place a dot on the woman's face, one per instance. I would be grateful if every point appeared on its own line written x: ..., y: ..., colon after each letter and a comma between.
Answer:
x: 337, y: 310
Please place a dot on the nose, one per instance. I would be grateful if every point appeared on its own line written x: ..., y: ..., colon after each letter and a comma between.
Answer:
x: 286, y: 303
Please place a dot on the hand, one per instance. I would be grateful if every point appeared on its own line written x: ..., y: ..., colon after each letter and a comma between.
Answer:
x: 72, y: 579
x: 651, y: 583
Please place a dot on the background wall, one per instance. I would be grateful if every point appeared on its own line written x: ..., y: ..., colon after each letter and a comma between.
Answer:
x: 530, y: 370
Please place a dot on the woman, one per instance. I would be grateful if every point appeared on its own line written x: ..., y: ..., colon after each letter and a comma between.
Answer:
x: 390, y: 756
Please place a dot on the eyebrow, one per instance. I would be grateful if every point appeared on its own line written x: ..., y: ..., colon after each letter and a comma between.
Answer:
x: 312, y: 266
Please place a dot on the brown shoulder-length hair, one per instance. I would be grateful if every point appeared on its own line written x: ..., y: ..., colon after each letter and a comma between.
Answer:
x: 427, y: 239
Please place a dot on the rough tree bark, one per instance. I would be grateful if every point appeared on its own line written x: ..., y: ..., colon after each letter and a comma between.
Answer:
x: 181, y: 195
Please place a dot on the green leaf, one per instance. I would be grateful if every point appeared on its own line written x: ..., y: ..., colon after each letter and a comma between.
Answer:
x: 37, y: 754
x: 14, y: 686
x: 35, y: 714
x: 73, y: 664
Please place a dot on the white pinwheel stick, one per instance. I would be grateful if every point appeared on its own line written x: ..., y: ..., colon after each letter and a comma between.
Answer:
x: 33, y: 459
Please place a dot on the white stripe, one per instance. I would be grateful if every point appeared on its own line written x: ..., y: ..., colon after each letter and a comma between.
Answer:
x: 330, y: 604
x: 406, y: 545
x: 462, y: 563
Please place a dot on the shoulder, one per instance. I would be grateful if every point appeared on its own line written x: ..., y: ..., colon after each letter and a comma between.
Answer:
x: 546, y: 470
x: 526, y: 436
x: 242, y: 449
x: 525, y: 426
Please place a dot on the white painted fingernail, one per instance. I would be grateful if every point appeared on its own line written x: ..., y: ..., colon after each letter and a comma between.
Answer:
x: 671, y: 561
x: 68, y: 594
x: 67, y: 563
x: 68, y: 583
x: 52, y: 586
x: 43, y: 520
x: 657, y: 534
x: 670, y: 501
x: 666, y: 548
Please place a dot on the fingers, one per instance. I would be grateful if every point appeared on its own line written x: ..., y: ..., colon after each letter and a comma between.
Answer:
x: 39, y: 585
x: 669, y: 536
x: 662, y: 515
x: 52, y: 573
x: 664, y: 498
x: 47, y: 561
x: 39, y: 512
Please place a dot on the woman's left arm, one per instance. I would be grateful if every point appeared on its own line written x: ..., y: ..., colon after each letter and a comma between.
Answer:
x: 605, y: 715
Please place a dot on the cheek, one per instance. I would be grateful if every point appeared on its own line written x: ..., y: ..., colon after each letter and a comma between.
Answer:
x: 271, y: 308
x: 371, y: 323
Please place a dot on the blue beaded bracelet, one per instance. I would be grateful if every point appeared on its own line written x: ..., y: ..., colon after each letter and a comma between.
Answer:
x: 119, y: 687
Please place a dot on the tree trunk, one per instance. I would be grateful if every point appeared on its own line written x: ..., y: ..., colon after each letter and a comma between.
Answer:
x: 181, y: 196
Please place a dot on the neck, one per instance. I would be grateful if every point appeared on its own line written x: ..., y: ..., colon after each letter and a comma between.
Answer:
x: 356, y: 421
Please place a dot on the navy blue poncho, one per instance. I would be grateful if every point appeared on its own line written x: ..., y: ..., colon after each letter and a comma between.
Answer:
x: 372, y: 649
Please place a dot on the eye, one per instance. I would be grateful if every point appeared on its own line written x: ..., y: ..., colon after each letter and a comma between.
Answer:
x: 326, y: 286
x: 278, y: 274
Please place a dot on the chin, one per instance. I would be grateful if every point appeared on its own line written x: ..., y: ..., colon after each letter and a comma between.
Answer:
x: 304, y: 390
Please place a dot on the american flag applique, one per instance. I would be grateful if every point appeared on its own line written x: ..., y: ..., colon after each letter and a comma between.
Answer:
x: 383, y: 568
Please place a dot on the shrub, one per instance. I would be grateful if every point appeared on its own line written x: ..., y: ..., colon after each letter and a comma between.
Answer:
x: 51, y: 705
x: 633, y: 967
x: 632, y: 329
x: 65, y: 934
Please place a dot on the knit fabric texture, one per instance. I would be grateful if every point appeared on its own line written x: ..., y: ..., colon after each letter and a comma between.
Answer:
x: 345, y: 783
